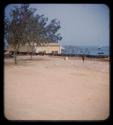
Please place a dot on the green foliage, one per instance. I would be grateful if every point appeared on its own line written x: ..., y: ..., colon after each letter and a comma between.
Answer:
x: 27, y: 27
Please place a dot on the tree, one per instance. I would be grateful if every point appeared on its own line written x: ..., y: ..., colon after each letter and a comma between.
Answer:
x: 52, y: 29
x: 35, y: 30
x: 15, y: 32
x: 17, y: 27
x: 25, y: 27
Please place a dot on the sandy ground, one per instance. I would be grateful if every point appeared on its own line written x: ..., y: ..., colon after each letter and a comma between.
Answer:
x: 50, y: 88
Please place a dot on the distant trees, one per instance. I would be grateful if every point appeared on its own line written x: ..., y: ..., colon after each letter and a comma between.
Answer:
x: 24, y: 26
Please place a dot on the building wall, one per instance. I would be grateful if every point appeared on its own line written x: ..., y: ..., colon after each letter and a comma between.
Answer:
x: 48, y: 49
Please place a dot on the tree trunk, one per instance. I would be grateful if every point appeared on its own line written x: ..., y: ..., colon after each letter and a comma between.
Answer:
x: 32, y: 50
x: 15, y: 57
x: 31, y: 55
x: 15, y: 53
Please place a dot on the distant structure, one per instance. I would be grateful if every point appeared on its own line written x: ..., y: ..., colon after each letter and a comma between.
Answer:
x: 49, y: 48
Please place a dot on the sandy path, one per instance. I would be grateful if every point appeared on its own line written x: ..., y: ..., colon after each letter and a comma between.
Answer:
x: 55, y: 89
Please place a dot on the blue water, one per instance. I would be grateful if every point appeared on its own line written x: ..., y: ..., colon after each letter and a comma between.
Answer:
x: 87, y: 50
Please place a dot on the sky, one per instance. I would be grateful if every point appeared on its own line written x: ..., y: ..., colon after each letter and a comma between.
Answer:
x: 81, y: 24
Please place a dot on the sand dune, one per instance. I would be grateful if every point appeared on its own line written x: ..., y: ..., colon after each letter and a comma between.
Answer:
x: 50, y: 88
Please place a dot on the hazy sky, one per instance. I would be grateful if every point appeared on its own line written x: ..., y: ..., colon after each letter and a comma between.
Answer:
x: 81, y: 24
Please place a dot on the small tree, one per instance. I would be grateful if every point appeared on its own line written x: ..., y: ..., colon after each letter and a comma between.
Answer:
x: 15, y: 32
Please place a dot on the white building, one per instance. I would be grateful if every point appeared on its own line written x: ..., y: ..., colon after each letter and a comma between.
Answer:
x: 54, y: 48
x: 49, y: 48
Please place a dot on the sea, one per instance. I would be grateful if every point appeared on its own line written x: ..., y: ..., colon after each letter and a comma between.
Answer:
x: 86, y: 50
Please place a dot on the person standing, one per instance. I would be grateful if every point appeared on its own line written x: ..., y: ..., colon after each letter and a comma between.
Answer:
x: 83, y: 58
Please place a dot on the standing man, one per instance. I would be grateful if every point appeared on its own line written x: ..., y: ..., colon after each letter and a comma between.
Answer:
x: 83, y: 58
